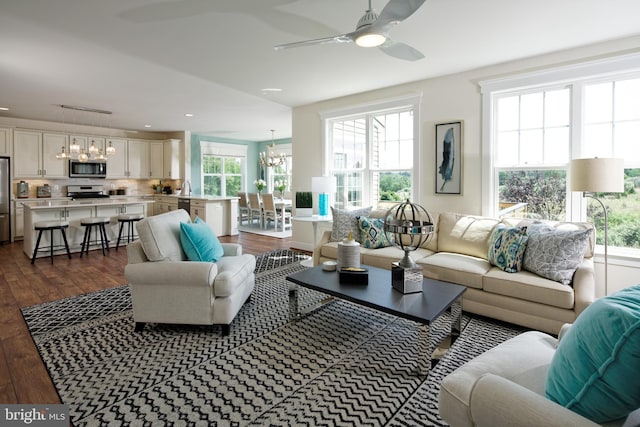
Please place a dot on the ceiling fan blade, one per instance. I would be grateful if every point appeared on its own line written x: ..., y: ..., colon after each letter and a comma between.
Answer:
x: 401, y: 51
x: 343, y: 38
x: 399, y: 10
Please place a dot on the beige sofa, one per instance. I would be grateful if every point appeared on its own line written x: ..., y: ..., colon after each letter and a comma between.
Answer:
x: 458, y: 253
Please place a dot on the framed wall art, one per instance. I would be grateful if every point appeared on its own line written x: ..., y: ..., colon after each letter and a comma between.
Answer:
x: 449, y: 158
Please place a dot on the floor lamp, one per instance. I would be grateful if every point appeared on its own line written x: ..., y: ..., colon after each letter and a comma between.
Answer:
x: 598, y: 175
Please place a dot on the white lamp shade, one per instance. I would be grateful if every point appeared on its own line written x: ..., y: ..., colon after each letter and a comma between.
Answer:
x: 323, y: 184
x: 598, y: 175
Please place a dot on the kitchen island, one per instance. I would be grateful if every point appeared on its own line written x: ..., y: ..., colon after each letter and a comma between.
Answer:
x: 74, y: 211
x: 220, y: 213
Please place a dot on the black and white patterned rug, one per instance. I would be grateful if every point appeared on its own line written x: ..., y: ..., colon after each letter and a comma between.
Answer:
x: 342, y: 365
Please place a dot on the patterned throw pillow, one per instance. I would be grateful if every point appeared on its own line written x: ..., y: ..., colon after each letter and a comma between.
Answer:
x: 507, y: 246
x: 554, y: 254
x: 372, y: 235
x: 345, y: 221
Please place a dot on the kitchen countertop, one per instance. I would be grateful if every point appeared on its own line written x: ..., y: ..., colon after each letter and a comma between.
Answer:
x: 57, y: 203
x: 198, y: 197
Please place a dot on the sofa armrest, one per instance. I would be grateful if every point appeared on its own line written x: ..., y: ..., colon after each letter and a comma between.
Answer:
x: 232, y: 249
x: 584, y: 285
x: 316, y: 251
x: 177, y: 274
x: 496, y: 401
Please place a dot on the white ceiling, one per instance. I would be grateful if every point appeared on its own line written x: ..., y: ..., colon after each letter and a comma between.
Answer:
x: 152, y: 61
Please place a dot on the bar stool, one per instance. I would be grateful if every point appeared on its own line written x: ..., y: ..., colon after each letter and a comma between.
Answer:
x: 128, y: 219
x: 43, y: 226
x: 99, y: 223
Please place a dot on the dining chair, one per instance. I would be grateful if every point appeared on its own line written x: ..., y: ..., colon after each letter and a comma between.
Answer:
x: 255, y: 209
x: 271, y: 213
x: 244, y: 213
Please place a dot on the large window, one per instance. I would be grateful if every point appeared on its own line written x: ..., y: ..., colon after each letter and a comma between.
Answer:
x: 372, y: 155
x: 223, y: 169
x: 536, y: 131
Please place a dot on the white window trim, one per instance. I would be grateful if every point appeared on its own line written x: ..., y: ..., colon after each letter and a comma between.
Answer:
x: 578, y: 75
x: 581, y: 72
x: 226, y: 150
x: 412, y: 100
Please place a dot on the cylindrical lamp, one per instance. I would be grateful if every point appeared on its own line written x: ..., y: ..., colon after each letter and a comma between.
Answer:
x: 323, y: 185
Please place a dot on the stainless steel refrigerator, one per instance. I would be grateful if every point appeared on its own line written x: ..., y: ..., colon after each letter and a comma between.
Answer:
x: 5, y: 201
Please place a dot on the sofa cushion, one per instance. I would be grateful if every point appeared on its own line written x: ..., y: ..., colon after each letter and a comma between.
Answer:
x: 344, y: 221
x: 596, y: 368
x: 465, y: 234
x: 455, y: 268
x: 506, y: 247
x: 559, y: 225
x: 554, y: 254
x: 160, y: 236
x: 530, y: 287
x: 372, y: 235
x: 199, y: 241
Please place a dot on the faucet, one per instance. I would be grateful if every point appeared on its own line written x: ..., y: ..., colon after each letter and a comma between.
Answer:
x: 184, y: 187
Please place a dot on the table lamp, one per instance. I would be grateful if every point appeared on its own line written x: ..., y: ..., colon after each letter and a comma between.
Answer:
x: 323, y: 185
x: 598, y: 175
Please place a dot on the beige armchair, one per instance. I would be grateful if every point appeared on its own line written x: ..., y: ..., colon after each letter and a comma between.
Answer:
x: 167, y: 288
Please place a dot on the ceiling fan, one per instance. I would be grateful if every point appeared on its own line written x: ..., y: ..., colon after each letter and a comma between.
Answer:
x: 372, y: 30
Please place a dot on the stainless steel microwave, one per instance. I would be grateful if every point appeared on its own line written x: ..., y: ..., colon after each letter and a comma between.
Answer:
x: 89, y: 169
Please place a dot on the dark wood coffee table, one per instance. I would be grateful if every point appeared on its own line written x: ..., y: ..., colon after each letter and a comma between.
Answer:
x: 422, y: 307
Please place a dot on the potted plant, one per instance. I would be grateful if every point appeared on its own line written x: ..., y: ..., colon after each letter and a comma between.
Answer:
x: 260, y: 184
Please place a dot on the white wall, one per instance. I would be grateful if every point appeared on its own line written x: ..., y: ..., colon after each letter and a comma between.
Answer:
x: 446, y: 98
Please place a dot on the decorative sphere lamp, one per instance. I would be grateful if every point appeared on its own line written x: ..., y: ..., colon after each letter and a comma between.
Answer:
x: 411, y: 226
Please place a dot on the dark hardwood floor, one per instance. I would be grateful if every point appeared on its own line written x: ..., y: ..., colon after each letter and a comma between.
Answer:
x: 23, y: 377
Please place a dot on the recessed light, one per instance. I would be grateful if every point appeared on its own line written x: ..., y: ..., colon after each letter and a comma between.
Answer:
x: 268, y: 90
x: 188, y: 115
x: 4, y: 109
x: 147, y: 126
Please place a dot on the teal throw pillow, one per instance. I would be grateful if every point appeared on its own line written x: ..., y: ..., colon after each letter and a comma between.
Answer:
x: 596, y: 368
x: 506, y: 247
x: 199, y: 241
x: 372, y: 233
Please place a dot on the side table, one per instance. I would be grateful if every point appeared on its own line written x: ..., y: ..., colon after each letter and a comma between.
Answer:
x: 314, y: 220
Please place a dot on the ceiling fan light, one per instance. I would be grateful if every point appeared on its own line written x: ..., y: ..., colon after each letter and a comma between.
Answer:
x: 370, y: 40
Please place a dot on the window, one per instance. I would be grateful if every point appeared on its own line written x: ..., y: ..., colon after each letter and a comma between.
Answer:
x: 223, y: 169
x: 284, y: 172
x: 534, y: 131
x: 373, y: 156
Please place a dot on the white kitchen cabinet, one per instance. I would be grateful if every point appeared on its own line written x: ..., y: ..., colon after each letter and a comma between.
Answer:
x: 211, y: 212
x: 112, y: 213
x: 164, y: 204
x: 5, y: 142
x: 156, y: 159
x: 173, y: 159
x: 35, y: 154
x: 75, y: 232
x: 117, y: 162
x: 137, y: 160
x: 18, y: 220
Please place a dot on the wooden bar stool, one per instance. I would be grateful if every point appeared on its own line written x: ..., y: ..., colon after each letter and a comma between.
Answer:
x: 43, y: 226
x: 128, y: 219
x: 98, y: 222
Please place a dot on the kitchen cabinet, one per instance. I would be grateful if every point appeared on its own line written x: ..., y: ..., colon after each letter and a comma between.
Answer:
x: 5, y: 142
x: 156, y: 159
x: 18, y: 220
x: 164, y: 204
x: 112, y: 213
x: 35, y: 154
x: 138, y: 159
x: 211, y: 212
x: 117, y: 162
x: 173, y: 159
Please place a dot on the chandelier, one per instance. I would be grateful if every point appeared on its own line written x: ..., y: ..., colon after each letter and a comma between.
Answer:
x: 270, y: 158
x: 80, y: 153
